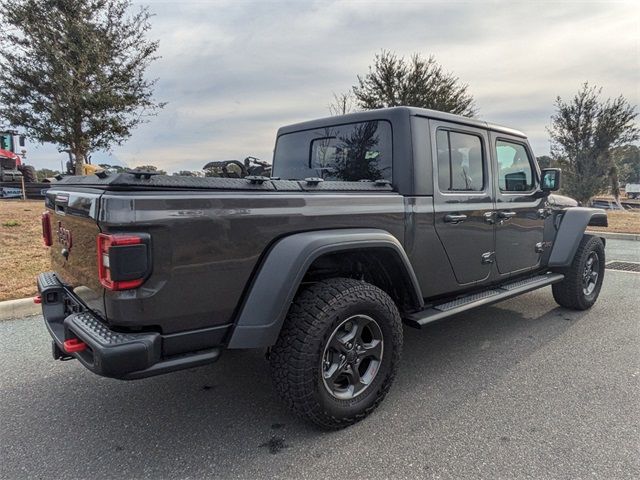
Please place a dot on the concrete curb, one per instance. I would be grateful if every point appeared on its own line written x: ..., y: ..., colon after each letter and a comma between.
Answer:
x: 23, y: 307
x: 616, y: 236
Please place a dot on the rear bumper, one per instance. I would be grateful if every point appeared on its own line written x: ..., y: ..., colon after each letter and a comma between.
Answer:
x: 108, y: 353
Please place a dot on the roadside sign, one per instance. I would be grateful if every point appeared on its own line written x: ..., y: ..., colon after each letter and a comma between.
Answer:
x: 10, y: 192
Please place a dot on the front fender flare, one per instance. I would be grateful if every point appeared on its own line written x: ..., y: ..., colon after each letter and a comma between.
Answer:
x: 275, y: 284
x: 572, y: 227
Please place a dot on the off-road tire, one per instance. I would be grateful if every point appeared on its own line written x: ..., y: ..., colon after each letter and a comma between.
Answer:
x: 570, y: 293
x: 29, y: 173
x: 296, y: 359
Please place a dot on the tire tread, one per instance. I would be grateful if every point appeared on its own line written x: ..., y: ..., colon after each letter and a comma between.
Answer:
x: 568, y: 293
x: 292, y: 360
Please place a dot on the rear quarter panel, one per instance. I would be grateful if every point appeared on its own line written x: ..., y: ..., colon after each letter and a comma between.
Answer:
x: 205, y: 246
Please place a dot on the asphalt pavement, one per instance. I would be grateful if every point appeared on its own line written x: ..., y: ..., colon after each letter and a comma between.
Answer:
x: 623, y: 250
x: 520, y: 389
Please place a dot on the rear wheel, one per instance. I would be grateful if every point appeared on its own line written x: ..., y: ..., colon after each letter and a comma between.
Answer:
x: 583, y: 279
x: 29, y: 173
x: 338, y: 352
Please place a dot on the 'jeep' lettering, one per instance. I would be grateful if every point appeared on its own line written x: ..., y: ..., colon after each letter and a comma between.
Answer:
x: 64, y: 237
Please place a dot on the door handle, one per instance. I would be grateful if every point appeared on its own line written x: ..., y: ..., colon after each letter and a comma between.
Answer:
x: 488, y: 217
x: 506, y: 215
x: 454, y: 218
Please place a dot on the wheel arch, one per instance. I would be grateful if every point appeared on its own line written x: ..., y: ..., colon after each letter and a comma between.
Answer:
x: 300, y: 257
x: 570, y: 232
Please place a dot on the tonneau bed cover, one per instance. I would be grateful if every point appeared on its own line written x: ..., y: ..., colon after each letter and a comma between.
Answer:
x: 144, y: 180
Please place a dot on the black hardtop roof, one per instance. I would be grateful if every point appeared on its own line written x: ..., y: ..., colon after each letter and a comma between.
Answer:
x: 394, y: 113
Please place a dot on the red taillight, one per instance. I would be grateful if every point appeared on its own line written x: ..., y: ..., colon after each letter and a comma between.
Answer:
x: 132, y: 255
x: 46, y: 229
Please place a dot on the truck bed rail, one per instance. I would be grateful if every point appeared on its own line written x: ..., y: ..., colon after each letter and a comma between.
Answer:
x: 127, y: 180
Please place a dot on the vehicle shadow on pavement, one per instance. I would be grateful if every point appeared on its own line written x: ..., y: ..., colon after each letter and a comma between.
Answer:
x: 205, y: 420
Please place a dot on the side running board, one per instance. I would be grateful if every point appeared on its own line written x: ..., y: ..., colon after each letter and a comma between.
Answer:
x: 486, y: 297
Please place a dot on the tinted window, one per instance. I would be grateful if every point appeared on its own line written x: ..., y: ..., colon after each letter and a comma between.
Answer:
x: 514, y: 167
x: 460, y: 163
x: 358, y: 151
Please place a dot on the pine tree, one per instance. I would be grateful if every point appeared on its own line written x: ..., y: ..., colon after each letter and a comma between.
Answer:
x: 417, y: 82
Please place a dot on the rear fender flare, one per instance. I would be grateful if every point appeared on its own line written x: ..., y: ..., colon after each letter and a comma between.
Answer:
x: 570, y: 232
x: 279, y: 276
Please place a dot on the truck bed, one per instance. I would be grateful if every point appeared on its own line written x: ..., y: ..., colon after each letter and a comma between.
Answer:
x: 208, y: 236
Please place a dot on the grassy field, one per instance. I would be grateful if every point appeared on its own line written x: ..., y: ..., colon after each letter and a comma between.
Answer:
x: 23, y: 256
x: 621, y: 222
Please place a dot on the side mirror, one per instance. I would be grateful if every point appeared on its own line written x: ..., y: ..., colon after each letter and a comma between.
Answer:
x: 21, y: 140
x: 550, y: 179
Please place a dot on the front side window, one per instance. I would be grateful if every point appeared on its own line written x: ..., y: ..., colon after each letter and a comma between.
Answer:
x: 6, y: 142
x: 515, y: 173
x: 460, y: 162
x: 353, y: 152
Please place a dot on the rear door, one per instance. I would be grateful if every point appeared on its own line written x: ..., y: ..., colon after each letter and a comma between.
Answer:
x: 520, y: 209
x: 463, y: 199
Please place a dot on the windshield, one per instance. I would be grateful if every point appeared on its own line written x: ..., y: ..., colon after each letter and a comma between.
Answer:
x: 6, y: 142
x: 352, y: 152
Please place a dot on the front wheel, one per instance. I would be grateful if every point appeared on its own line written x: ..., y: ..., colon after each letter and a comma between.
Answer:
x: 338, y: 352
x: 583, y: 279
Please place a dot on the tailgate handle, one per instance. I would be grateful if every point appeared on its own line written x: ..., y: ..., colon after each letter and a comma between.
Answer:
x: 60, y: 202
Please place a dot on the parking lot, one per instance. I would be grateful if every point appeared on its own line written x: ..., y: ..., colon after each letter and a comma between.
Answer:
x: 520, y: 389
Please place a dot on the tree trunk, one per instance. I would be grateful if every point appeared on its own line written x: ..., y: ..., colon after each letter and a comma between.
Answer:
x: 79, y: 162
x: 615, y: 186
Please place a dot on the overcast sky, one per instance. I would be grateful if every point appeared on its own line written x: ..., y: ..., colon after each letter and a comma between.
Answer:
x: 233, y: 71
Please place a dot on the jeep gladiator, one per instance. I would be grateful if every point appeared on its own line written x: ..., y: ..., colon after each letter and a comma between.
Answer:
x: 370, y: 220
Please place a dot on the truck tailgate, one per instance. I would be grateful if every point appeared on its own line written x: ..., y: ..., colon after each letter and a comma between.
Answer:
x: 74, y: 228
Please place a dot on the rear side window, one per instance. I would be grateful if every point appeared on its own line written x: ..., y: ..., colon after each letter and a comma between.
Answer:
x: 515, y: 173
x: 353, y: 152
x: 460, y: 162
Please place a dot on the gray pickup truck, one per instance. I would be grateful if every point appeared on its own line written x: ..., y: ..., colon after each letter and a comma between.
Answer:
x: 370, y: 220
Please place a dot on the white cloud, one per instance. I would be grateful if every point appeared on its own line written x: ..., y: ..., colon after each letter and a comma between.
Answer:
x: 234, y: 71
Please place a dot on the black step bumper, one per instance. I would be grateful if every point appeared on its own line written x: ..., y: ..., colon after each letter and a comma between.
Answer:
x: 108, y: 353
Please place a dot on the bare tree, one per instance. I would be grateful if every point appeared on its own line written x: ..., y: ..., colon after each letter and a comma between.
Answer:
x: 342, y: 103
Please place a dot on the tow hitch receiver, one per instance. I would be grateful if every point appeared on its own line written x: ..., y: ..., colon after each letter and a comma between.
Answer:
x: 58, y: 353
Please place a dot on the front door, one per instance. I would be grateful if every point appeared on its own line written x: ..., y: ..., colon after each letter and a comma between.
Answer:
x: 520, y: 212
x: 463, y: 199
